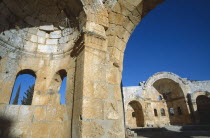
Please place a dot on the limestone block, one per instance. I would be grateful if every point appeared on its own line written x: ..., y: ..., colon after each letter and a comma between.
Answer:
x: 11, y: 111
x: 95, y: 90
x: 41, y: 33
x: 115, y: 18
x: 117, y: 93
x: 128, y: 25
x: 126, y: 36
x: 102, y: 17
x: 124, y: 9
x: 55, y: 34
x: 95, y: 28
x: 56, y: 113
x: 136, y: 13
x: 25, y: 113
x: 41, y: 40
x: 115, y: 41
x: 33, y: 38
x: 64, y: 40
x: 67, y: 31
x: 95, y: 56
x: 40, y: 99
x: 54, y: 99
x: 93, y: 109
x: 114, y: 76
x: 135, y: 20
x: 115, y: 53
x: 47, y: 48
x: 52, y: 41
x: 134, y: 2
x: 96, y: 42
x: 47, y: 28
x: 116, y: 130
x: 40, y: 113
x: 56, y: 130
x: 95, y: 72
x: 92, y: 130
x: 99, y: 17
x: 32, y: 30
x: 40, y: 130
x: 21, y: 130
x: 111, y: 110
x: 117, y: 8
x: 29, y: 46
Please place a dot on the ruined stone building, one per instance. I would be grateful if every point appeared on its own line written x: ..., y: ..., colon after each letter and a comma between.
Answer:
x: 51, y: 39
x: 167, y: 99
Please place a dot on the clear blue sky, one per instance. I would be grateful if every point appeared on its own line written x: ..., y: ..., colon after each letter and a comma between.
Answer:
x: 174, y: 37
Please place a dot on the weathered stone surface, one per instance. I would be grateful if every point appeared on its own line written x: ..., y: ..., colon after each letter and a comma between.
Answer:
x: 87, y: 40
x: 93, y: 112
x: 52, y: 41
x: 112, y: 110
x: 93, y: 130
x: 25, y: 113
x: 47, y: 28
x: 150, y: 95
x: 40, y: 113
x: 55, y: 34
x: 40, y: 130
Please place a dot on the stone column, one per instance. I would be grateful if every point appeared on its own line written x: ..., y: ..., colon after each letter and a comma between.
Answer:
x: 98, y: 110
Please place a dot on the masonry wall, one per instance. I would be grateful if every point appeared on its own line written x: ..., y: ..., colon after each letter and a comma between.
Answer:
x: 182, y: 94
x: 87, y: 39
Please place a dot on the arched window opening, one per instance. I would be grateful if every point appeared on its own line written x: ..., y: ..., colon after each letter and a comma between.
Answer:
x: 160, y: 98
x: 62, y: 90
x: 179, y: 110
x: 171, y: 111
x: 155, y: 112
x: 162, y: 112
x: 203, y: 106
x: 23, y: 89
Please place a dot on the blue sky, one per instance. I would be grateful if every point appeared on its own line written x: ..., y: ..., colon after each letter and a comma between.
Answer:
x: 28, y: 80
x: 174, y: 37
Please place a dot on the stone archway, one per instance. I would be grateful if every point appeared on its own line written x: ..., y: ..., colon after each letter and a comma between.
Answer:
x: 135, y: 115
x: 174, y: 99
x: 203, y: 109
x: 87, y: 39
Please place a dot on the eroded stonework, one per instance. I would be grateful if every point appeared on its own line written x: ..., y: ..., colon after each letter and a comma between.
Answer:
x: 84, y: 38
x: 167, y: 99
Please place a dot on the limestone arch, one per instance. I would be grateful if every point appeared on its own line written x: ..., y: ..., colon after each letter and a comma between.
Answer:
x: 92, y: 26
x: 199, y: 93
x: 168, y: 75
x: 135, y: 114
x: 173, y: 90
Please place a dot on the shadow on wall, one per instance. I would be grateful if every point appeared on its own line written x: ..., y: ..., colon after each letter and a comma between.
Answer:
x: 5, y: 127
x: 20, y: 15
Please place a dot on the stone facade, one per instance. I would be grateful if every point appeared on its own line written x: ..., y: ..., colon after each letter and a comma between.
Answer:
x: 166, y: 99
x: 86, y: 39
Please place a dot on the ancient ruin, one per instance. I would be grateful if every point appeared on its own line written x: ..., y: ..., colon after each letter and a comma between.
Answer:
x: 82, y: 39
x: 167, y: 99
